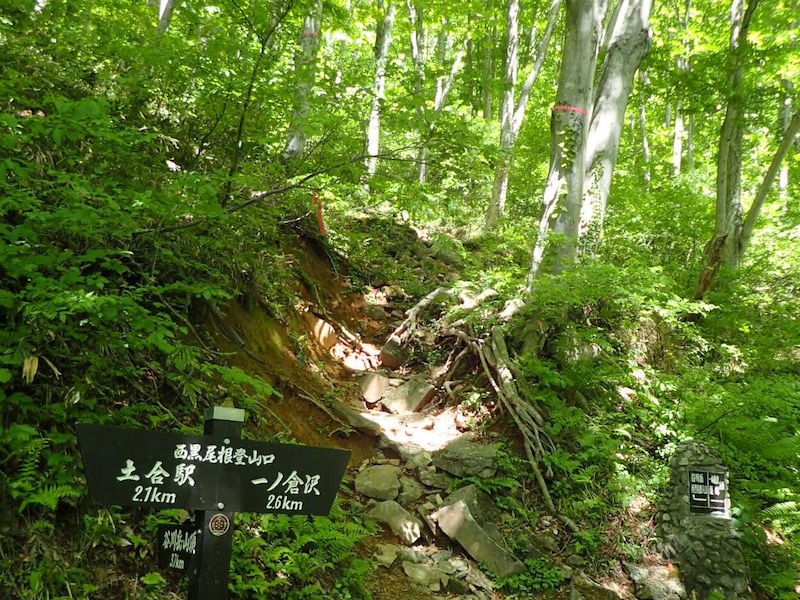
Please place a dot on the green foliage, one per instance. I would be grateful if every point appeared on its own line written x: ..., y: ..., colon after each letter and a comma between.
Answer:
x: 540, y: 575
x: 279, y: 556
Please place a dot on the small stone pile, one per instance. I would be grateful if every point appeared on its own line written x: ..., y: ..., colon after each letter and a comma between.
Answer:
x: 705, y: 548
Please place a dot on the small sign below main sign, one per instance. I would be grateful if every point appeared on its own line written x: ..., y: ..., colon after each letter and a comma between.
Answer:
x: 708, y: 493
x: 178, y: 546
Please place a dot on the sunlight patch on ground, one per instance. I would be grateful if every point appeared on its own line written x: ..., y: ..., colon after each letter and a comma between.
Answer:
x: 429, y: 432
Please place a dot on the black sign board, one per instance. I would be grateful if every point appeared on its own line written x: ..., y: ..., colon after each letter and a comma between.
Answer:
x: 216, y: 474
x: 178, y: 546
x: 708, y: 492
x: 171, y: 470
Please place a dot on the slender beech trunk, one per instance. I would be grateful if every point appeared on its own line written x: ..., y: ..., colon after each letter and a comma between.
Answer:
x: 786, y: 109
x: 678, y: 133
x: 512, y: 115
x: 444, y: 83
x: 383, y: 40
x: 628, y: 44
x: 556, y: 242
x: 643, y: 133
x: 785, y: 115
x: 500, y: 187
x: 165, y: 15
x: 683, y: 63
x: 725, y: 247
x: 488, y: 72
x: 789, y: 135
x: 305, y: 66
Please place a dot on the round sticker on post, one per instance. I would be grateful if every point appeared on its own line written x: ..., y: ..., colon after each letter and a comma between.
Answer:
x: 219, y: 524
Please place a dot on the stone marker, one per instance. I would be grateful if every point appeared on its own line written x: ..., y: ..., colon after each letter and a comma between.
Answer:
x: 695, y: 527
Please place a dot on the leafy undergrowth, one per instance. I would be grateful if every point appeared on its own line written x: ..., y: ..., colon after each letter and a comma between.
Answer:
x: 114, y: 260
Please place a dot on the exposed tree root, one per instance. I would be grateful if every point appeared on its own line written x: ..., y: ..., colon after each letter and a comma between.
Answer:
x: 503, y: 376
x: 406, y: 329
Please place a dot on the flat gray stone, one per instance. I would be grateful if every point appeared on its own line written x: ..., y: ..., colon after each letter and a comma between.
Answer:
x: 404, y: 450
x: 380, y: 481
x: 410, y: 491
x: 463, y: 458
x: 480, y: 507
x: 387, y: 554
x: 423, y: 575
x: 458, y: 523
x: 585, y: 589
x: 373, y: 311
x: 412, y: 555
x: 420, y: 459
x: 398, y: 519
x: 428, y: 476
x: 409, y: 397
x: 393, y: 355
x: 658, y: 583
x: 373, y: 386
x: 356, y: 421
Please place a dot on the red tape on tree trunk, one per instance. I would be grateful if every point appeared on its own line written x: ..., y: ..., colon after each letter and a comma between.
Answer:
x: 316, y: 201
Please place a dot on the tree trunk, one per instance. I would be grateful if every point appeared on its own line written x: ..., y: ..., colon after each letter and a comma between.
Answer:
x: 305, y: 64
x: 766, y: 184
x: 383, y: 41
x: 643, y: 134
x: 512, y: 116
x: 488, y: 73
x: 165, y: 15
x: 628, y: 44
x: 444, y: 83
x: 725, y: 246
x: 683, y: 63
x: 556, y: 243
x: 500, y: 187
x: 677, y: 139
x: 728, y: 221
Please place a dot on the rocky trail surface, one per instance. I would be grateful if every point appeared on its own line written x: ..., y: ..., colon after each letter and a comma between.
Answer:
x: 422, y: 464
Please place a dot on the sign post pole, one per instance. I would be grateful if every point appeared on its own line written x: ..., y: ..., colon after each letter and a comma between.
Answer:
x: 208, y: 579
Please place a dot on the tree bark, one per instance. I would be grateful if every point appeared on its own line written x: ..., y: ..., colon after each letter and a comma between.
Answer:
x: 305, y: 64
x: 726, y: 245
x: 383, y: 40
x: 679, y: 131
x: 643, y: 133
x: 512, y: 116
x: 766, y: 184
x: 556, y: 243
x: 488, y: 73
x: 629, y: 42
x: 165, y: 15
x: 444, y: 83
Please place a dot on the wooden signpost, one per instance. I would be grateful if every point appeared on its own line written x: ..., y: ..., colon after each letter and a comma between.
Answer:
x: 215, y: 474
